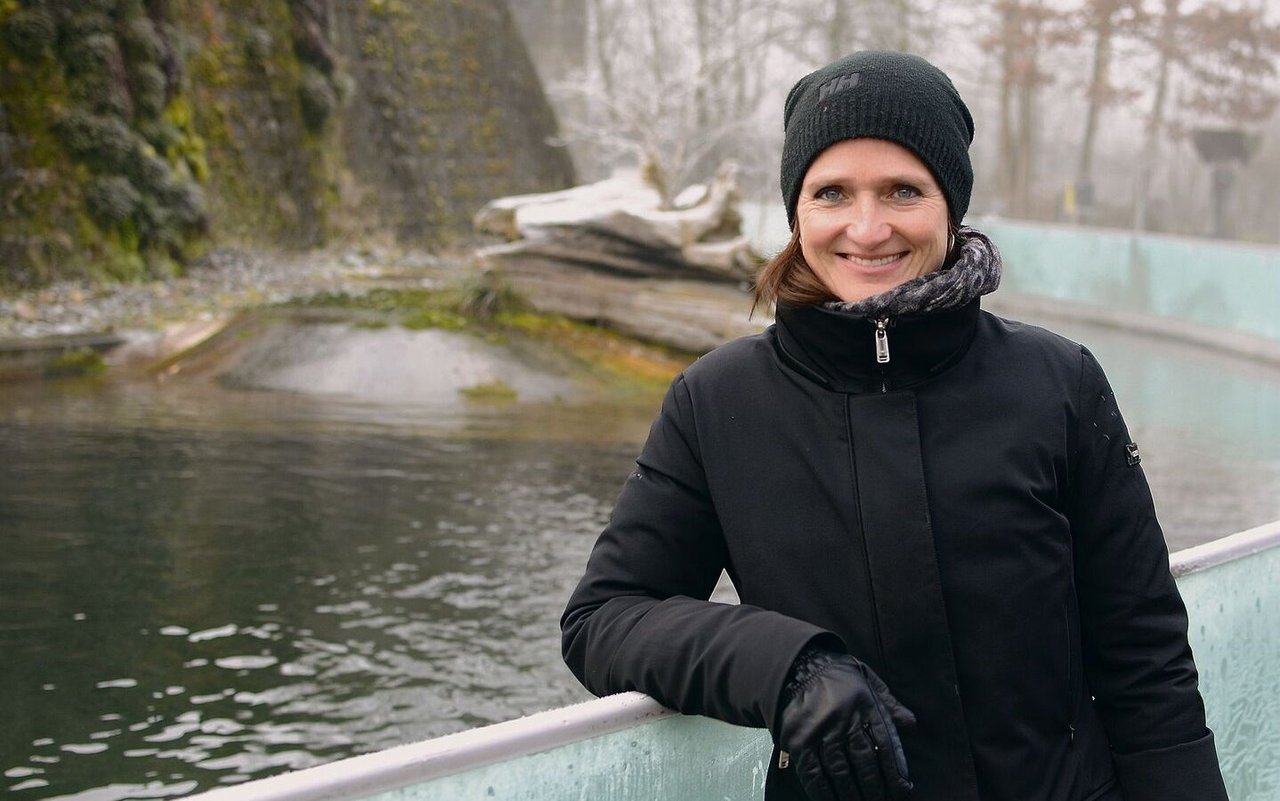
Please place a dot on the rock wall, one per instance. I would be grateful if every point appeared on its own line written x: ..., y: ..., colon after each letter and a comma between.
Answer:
x: 134, y: 133
x: 447, y: 112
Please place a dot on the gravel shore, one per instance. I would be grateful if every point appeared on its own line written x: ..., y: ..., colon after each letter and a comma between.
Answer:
x: 223, y: 282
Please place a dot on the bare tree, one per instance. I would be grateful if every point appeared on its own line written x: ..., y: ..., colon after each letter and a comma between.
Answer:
x: 1106, y: 20
x: 1225, y: 60
x: 1024, y: 30
x: 1170, y: 50
x: 673, y: 86
x: 851, y: 25
x: 1233, y: 64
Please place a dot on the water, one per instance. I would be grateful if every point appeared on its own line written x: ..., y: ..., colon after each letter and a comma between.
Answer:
x: 236, y: 591
x: 203, y: 585
x: 1207, y: 423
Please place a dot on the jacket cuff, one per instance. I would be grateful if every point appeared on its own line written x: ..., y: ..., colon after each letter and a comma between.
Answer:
x: 1187, y: 770
x: 818, y: 640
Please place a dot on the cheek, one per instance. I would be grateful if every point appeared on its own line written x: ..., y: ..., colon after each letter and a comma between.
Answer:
x: 819, y: 231
x: 933, y: 234
x: 943, y: 239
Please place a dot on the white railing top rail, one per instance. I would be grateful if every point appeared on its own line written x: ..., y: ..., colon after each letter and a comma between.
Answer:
x: 1226, y: 549
x: 370, y: 774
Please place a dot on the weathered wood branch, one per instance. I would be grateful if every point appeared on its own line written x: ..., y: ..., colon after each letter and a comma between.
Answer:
x: 618, y: 226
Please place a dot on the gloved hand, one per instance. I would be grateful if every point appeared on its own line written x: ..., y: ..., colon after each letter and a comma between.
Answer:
x: 839, y: 723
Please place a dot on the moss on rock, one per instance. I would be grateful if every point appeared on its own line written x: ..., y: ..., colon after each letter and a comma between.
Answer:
x: 80, y: 362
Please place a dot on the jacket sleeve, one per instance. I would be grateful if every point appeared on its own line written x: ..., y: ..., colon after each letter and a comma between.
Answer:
x: 1134, y: 625
x: 640, y: 619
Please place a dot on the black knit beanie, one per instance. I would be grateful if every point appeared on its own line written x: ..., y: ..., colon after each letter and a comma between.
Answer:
x: 885, y: 95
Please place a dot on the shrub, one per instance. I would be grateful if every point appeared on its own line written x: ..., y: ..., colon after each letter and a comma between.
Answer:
x: 160, y: 134
x: 99, y: 81
x: 104, y: 143
x: 129, y: 10
x: 310, y: 44
x: 30, y: 32
x: 91, y: 54
x: 486, y: 295
x: 317, y: 97
x: 150, y: 172
x: 111, y: 199
x: 100, y: 94
x: 155, y: 223
x: 141, y: 41
x: 105, y: 7
x: 258, y: 45
x: 84, y: 22
x: 185, y: 201
x: 148, y: 84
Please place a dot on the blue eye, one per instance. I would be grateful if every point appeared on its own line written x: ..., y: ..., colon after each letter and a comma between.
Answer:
x: 828, y: 193
x: 906, y: 192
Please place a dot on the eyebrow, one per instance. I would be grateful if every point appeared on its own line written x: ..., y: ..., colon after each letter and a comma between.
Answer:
x: 915, y: 179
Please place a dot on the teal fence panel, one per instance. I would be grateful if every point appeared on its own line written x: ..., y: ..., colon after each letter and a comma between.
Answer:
x: 1234, y: 608
x: 1211, y: 283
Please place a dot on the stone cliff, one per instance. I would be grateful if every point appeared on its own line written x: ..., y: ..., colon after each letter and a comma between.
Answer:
x: 133, y: 133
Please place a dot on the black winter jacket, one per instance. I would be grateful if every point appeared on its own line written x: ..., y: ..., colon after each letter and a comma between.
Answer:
x: 969, y: 519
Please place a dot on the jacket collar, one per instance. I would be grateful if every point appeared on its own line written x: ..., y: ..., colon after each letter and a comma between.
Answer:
x: 837, y: 349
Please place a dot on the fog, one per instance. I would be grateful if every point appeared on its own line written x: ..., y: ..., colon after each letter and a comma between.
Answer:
x: 1085, y: 112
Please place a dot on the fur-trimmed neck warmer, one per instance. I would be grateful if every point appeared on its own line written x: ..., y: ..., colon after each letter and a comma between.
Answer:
x: 975, y: 272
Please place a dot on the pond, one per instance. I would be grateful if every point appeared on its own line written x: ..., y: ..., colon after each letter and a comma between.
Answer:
x: 203, y: 584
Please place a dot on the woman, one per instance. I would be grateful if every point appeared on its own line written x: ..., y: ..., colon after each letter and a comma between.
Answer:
x: 953, y: 583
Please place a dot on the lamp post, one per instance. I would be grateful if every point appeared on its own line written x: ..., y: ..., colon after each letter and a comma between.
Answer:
x: 1224, y: 150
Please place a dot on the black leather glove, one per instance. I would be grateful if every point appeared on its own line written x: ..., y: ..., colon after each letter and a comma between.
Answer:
x: 839, y: 723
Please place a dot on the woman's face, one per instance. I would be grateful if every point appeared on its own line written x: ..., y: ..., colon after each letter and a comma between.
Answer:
x: 870, y: 216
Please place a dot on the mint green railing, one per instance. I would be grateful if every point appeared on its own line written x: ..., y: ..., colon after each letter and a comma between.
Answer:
x: 1219, y: 285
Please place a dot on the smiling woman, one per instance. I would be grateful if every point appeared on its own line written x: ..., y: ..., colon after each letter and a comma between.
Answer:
x: 870, y: 217
x: 953, y: 583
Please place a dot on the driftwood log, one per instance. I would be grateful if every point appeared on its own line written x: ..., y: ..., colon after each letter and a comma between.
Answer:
x: 620, y: 227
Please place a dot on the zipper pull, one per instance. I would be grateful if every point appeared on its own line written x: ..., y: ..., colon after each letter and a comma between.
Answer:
x: 882, y: 340
x: 784, y: 760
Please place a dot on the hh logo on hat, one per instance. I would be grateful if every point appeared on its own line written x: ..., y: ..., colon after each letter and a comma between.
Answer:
x: 838, y: 84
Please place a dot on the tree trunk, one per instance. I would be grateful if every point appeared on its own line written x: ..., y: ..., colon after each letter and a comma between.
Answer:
x: 1008, y: 142
x: 838, y: 43
x: 1155, y: 120
x: 702, y: 37
x: 1098, y: 86
x: 1026, y: 141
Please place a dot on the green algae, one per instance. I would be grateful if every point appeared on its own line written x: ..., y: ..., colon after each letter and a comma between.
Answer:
x: 485, y: 307
x: 81, y: 362
x: 491, y: 392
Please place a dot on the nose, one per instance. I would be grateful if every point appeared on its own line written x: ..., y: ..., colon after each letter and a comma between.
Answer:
x: 867, y: 226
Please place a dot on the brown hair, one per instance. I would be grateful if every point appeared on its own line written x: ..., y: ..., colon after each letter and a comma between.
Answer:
x: 787, y: 277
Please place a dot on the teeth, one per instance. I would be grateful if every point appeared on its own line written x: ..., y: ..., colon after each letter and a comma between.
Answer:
x: 880, y: 262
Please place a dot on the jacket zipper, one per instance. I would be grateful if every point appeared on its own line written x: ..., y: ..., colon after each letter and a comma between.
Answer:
x: 882, y: 351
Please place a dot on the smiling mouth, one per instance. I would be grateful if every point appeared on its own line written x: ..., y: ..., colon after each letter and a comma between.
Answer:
x: 877, y: 262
